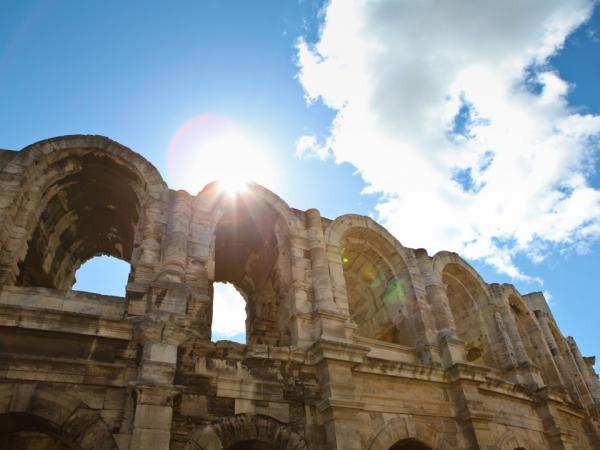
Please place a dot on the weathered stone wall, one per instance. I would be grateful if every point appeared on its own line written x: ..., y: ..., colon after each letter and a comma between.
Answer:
x: 354, y: 341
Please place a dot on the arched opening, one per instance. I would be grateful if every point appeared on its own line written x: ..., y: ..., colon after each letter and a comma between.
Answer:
x: 229, y: 314
x: 103, y: 274
x: 250, y: 250
x: 21, y: 431
x: 92, y: 210
x: 377, y: 286
x: 252, y: 444
x: 246, y: 431
x: 533, y: 340
x: 409, y: 444
x: 466, y: 298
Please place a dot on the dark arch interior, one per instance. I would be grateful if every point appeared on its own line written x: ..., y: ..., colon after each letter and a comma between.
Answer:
x: 21, y: 431
x: 91, y: 211
x: 246, y: 255
x: 409, y: 444
x: 252, y: 444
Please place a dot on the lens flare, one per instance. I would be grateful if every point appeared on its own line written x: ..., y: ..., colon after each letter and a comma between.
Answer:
x: 395, y: 292
x: 214, y: 148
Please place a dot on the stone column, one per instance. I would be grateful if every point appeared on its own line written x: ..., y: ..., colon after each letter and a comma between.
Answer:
x: 436, y: 293
x: 515, y: 336
x: 337, y: 406
x: 320, y: 265
x: 154, y: 397
x: 153, y: 417
x: 175, y: 245
x: 331, y: 321
x: 145, y: 259
x: 572, y: 379
x: 302, y: 327
x: 473, y: 414
x: 512, y: 329
x: 590, y: 378
x: 509, y: 350
x: 444, y: 320
x: 452, y: 349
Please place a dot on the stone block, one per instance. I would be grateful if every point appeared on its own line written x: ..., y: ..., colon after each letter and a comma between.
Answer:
x: 159, y: 352
x: 153, y: 417
x: 143, y: 439
x: 194, y: 405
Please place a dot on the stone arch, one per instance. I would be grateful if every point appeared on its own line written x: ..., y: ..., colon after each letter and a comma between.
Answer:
x: 212, y: 196
x: 443, y: 258
x: 401, y: 429
x: 84, y: 196
x: 525, y: 320
x: 471, y: 306
x: 64, y: 414
x: 378, y: 288
x: 511, y: 441
x: 250, y: 248
x: 225, y: 433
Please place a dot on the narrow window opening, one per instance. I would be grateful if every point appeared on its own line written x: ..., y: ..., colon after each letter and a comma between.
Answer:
x: 105, y: 275
x: 229, y: 314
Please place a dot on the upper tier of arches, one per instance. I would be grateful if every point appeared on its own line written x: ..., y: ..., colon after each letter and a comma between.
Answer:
x: 71, y: 198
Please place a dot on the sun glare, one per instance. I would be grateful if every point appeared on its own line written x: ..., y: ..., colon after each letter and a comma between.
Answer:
x: 213, y: 148
x: 232, y: 185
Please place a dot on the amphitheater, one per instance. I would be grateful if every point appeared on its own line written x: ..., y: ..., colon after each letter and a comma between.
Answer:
x: 353, y: 340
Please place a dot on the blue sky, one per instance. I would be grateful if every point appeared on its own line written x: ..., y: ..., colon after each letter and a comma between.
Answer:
x: 477, y: 135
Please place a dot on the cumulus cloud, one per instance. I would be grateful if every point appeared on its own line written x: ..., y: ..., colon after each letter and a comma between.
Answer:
x: 450, y: 111
x: 229, y: 311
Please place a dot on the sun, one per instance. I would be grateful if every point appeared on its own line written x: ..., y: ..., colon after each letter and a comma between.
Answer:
x: 232, y: 185
x: 213, y: 148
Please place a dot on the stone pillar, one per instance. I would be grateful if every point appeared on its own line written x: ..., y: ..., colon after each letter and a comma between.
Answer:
x: 559, y: 436
x: 153, y: 417
x: 452, y: 349
x: 331, y: 321
x: 145, y: 259
x: 473, y: 415
x: 148, y: 254
x: 444, y: 320
x: 569, y: 376
x: 320, y: 265
x: 337, y: 406
x: 301, y: 305
x: 509, y: 350
x: 590, y: 378
x: 515, y: 337
x: 175, y: 245
x: 154, y: 397
x: 436, y: 293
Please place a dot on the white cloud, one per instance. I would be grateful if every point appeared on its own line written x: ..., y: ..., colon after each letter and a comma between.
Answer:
x: 229, y: 311
x: 511, y: 174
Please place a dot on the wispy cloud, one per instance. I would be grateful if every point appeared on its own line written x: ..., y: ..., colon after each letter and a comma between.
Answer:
x: 450, y: 111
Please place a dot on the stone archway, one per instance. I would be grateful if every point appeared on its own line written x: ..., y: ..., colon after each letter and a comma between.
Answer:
x: 405, y: 433
x: 514, y: 441
x: 246, y: 431
x: 29, y: 408
x: 84, y: 195
x: 378, y: 284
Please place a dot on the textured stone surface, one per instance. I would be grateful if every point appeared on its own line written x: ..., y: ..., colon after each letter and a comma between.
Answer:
x: 354, y: 341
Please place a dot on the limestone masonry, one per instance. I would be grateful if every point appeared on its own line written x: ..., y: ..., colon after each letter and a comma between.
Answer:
x: 354, y: 341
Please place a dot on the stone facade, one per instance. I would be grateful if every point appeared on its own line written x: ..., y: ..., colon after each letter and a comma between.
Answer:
x: 354, y: 341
